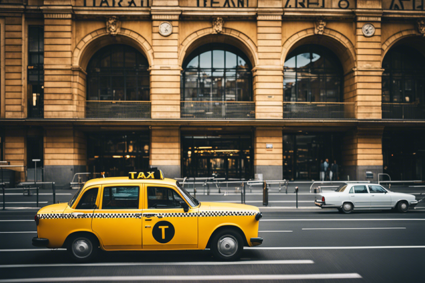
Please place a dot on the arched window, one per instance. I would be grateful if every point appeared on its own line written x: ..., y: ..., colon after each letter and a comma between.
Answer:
x: 217, y: 73
x: 313, y: 74
x: 403, y: 80
x: 118, y: 72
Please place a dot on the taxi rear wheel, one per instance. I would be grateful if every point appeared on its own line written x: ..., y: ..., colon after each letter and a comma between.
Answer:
x: 227, y: 245
x: 83, y: 248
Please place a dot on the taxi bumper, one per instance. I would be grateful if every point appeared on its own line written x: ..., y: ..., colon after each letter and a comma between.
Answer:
x: 40, y: 242
x: 256, y: 241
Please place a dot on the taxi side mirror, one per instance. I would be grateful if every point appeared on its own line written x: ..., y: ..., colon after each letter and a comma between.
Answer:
x: 184, y: 205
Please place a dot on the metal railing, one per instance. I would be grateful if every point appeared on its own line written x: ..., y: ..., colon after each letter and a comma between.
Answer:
x: 403, y: 111
x: 321, y: 110
x: 117, y: 109
x: 217, y: 109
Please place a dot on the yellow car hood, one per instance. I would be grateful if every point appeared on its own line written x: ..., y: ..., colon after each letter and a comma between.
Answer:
x: 53, y: 208
x: 219, y: 206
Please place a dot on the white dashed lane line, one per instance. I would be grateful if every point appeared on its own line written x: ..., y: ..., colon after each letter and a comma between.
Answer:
x: 358, y: 228
x: 206, y: 263
x: 182, y: 278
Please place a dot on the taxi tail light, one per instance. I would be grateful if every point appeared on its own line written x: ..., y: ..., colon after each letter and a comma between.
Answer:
x: 323, y: 199
x: 36, y: 219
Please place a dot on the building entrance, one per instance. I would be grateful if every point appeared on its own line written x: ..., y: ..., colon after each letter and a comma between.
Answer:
x: 117, y: 153
x: 227, y: 156
x: 303, y: 153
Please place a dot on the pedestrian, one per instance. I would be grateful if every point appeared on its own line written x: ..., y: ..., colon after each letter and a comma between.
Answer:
x: 322, y: 170
x: 334, y: 171
x: 326, y: 167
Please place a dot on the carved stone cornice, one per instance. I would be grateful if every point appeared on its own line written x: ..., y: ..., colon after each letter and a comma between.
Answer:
x: 58, y: 16
x: 166, y: 17
x: 269, y: 17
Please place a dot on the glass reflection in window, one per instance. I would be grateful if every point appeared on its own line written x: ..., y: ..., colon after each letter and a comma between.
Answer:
x: 313, y: 74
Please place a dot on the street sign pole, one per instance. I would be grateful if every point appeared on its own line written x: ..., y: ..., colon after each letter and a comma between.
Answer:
x: 35, y: 176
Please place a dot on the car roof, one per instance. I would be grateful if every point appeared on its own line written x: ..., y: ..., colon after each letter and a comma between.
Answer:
x: 126, y: 180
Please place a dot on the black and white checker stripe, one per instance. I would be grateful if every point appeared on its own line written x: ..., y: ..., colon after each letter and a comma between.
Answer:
x: 139, y: 215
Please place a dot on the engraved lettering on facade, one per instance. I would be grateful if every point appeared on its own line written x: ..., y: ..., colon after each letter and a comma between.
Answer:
x: 223, y: 3
x: 414, y: 5
x: 117, y: 3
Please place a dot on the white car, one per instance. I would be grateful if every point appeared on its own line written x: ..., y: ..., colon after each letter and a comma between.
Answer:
x: 365, y: 196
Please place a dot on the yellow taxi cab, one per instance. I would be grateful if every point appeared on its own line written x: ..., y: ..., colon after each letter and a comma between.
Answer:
x: 145, y: 212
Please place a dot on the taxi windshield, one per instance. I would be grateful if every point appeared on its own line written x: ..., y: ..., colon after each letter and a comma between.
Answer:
x: 71, y: 202
x: 193, y: 201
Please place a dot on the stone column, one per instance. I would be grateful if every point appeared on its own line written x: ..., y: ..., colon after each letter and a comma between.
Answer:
x: 15, y: 151
x: 368, y: 74
x: 268, y: 161
x: 165, y: 71
x: 59, y: 100
x: 362, y: 151
x: 15, y: 72
x: 65, y: 154
x: 165, y: 150
x: 268, y: 76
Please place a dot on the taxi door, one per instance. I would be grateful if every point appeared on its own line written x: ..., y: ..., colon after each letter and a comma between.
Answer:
x: 118, y: 220
x: 165, y: 224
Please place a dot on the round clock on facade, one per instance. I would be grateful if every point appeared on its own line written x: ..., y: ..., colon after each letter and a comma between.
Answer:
x: 368, y: 30
x: 165, y: 29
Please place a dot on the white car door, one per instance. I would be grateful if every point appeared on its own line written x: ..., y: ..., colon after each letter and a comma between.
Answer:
x: 360, y: 196
x: 379, y: 198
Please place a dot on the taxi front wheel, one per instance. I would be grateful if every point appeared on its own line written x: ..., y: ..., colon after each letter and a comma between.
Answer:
x: 227, y: 245
x: 83, y: 248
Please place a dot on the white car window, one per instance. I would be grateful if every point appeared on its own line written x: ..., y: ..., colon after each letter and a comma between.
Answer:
x: 376, y: 189
x: 352, y: 190
x: 360, y: 189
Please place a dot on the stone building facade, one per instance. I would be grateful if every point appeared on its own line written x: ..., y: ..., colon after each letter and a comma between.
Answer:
x: 202, y: 87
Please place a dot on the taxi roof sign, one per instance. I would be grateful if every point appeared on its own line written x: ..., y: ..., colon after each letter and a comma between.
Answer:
x: 151, y: 174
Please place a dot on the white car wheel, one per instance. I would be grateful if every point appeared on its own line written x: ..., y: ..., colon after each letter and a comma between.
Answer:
x: 347, y: 207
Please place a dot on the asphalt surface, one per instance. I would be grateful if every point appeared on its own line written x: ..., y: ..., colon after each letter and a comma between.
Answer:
x: 300, y: 245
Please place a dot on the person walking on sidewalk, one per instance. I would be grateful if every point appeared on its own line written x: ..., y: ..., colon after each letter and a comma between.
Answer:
x: 322, y: 170
x: 326, y: 167
x: 333, y: 174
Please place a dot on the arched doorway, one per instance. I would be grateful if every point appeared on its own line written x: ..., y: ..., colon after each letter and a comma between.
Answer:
x: 216, y: 82
x: 118, y: 83
x: 312, y: 74
x: 403, y: 84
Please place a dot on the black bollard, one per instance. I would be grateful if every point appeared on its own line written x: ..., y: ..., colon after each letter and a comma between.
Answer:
x: 296, y: 196
x: 265, y: 194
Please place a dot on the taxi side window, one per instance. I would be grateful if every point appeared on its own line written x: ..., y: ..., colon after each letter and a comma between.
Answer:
x: 88, y: 200
x: 160, y: 197
x: 121, y: 197
x: 360, y: 190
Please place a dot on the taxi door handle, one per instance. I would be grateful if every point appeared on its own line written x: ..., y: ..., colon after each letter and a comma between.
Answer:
x: 148, y: 226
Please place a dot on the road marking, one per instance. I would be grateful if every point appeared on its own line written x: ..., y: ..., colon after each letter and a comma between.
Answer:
x: 420, y: 186
x: 17, y: 220
x: 30, y: 250
x: 276, y: 231
x: 291, y: 207
x: 248, y: 277
x: 40, y: 194
x: 336, y: 248
x: 18, y: 232
x: 339, y: 219
x: 160, y: 263
x: 375, y: 228
x: 10, y: 202
x: 255, y: 201
x: 22, y: 207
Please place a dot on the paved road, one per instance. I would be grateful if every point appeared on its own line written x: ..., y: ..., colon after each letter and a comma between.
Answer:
x: 304, y: 245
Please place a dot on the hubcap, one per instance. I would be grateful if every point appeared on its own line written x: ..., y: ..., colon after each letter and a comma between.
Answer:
x: 81, y: 248
x: 347, y: 206
x: 403, y: 206
x: 227, y: 245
